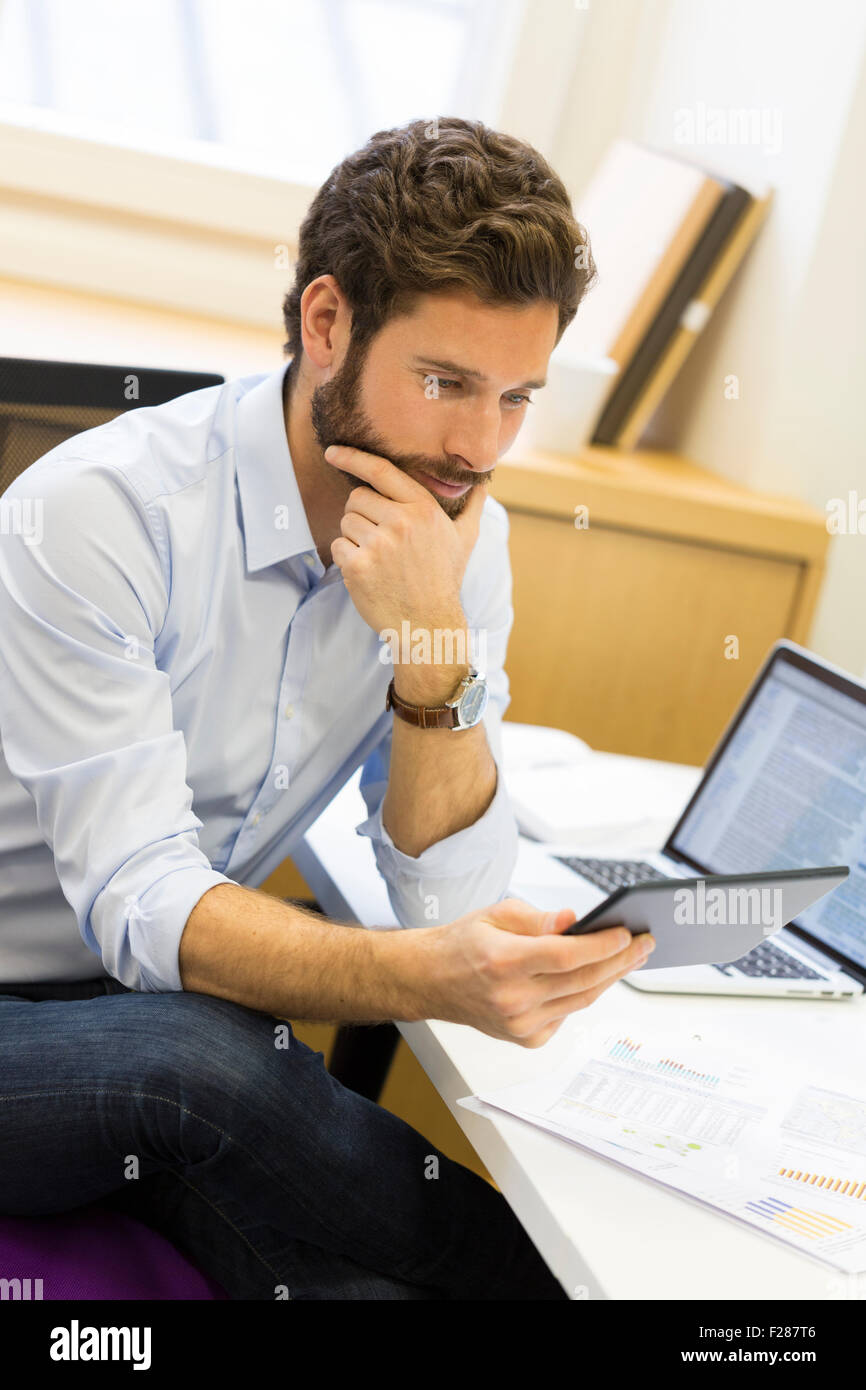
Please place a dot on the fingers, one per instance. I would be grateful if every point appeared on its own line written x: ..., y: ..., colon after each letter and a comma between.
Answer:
x: 372, y: 505
x: 342, y: 550
x: 357, y: 528
x: 558, y: 1009
x: 469, y: 520
x: 554, y: 953
x: 538, y: 1025
x: 379, y: 472
x: 549, y: 951
x: 515, y: 915
x: 597, y: 974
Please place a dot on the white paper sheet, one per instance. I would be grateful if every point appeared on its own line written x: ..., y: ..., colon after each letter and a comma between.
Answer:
x: 784, y: 1153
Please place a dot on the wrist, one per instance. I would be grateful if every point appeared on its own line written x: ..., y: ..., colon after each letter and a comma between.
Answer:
x: 406, y: 964
x: 433, y: 665
x: 430, y: 686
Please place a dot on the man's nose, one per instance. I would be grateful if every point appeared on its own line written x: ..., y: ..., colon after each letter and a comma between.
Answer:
x: 476, y: 444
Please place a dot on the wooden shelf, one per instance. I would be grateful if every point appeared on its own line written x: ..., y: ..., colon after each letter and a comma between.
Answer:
x: 661, y: 492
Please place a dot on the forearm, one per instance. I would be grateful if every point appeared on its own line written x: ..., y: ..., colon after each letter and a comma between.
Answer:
x: 440, y: 780
x: 245, y: 946
x: 506, y: 969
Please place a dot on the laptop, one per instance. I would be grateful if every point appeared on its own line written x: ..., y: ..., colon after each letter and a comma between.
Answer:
x: 784, y: 789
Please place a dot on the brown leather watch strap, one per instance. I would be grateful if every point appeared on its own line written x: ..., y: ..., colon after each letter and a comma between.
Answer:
x: 445, y: 717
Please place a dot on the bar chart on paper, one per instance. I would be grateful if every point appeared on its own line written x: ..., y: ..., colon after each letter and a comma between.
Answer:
x: 845, y: 1187
x: 626, y: 1049
x: 810, y: 1224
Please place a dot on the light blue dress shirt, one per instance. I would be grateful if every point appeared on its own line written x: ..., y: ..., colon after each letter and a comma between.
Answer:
x: 184, y: 687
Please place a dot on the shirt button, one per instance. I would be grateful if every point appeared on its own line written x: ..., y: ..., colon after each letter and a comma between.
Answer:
x: 290, y: 709
x: 309, y: 561
x: 256, y: 819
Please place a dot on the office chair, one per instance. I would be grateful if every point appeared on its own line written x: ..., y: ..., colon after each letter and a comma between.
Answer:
x: 43, y: 403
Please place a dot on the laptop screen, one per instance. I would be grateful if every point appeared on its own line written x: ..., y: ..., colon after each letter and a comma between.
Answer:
x: 788, y: 791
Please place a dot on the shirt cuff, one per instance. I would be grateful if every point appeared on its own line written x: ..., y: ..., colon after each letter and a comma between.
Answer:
x: 466, y: 871
x: 155, y: 921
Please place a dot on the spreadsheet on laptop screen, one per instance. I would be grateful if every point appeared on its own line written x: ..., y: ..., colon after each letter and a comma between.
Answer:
x: 789, y: 792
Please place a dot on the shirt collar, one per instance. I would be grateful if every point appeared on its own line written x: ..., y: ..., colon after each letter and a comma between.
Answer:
x: 275, y: 524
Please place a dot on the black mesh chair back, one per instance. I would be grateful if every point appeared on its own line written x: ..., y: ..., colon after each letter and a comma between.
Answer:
x: 44, y: 403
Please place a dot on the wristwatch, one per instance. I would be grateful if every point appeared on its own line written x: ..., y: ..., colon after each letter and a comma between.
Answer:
x: 465, y: 708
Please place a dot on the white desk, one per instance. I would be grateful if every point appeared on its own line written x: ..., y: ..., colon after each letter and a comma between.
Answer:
x: 604, y: 1231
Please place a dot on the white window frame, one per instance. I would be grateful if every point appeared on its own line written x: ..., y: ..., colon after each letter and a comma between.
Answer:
x: 183, y: 227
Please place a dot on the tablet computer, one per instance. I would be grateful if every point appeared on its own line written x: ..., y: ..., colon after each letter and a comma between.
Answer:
x: 712, y: 919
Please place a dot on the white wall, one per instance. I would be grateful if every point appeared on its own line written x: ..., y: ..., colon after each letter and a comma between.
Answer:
x: 793, y: 326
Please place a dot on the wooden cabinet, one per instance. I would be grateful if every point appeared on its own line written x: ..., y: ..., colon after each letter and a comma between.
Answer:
x: 646, y: 593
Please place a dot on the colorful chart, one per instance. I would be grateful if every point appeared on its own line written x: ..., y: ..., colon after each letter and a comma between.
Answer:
x: 843, y: 1187
x: 626, y: 1050
x: 812, y: 1225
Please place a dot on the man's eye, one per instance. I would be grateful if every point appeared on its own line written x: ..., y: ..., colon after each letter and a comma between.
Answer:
x: 435, y: 386
x: 515, y: 400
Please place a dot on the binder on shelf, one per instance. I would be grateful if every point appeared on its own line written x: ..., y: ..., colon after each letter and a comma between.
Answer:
x: 667, y: 237
x: 640, y: 389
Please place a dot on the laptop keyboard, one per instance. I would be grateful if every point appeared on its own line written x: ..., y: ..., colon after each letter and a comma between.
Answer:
x: 610, y: 874
x: 767, y: 959
x: 764, y: 960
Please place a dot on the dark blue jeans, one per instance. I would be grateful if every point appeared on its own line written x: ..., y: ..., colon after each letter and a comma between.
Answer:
x: 182, y: 1110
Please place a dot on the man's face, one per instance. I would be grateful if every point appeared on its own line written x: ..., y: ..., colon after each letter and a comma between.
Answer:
x: 441, y: 391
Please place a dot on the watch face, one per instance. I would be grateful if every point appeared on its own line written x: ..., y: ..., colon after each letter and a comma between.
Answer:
x: 473, y: 704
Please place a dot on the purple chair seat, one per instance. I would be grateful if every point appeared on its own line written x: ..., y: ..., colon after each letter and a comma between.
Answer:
x: 95, y: 1252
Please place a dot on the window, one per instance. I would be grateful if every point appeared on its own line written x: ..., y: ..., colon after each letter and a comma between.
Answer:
x: 166, y: 152
x: 278, y: 87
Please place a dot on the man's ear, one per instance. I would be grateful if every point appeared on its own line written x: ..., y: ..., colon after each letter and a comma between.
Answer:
x: 326, y: 322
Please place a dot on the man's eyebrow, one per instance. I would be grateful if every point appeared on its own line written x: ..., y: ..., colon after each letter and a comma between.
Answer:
x: 454, y: 369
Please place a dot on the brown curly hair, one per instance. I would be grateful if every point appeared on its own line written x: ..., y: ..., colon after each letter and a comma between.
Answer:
x: 436, y: 205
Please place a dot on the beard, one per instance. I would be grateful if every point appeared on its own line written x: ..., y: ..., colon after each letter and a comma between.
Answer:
x: 338, y: 418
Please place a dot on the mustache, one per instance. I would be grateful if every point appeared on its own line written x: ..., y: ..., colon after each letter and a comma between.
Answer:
x: 443, y: 469
x: 457, y: 479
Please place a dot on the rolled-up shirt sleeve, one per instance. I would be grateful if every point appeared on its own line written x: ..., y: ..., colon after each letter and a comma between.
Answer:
x: 86, y: 715
x: 471, y: 868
